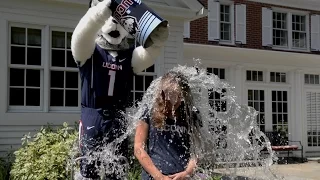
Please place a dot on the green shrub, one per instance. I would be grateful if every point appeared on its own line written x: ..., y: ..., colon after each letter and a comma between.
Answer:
x: 46, y: 156
x: 5, y: 165
x: 2, y: 169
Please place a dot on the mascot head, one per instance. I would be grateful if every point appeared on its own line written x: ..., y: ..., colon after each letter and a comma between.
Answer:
x: 111, y: 32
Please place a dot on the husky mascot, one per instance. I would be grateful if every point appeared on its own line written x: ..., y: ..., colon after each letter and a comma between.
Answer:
x: 107, y: 65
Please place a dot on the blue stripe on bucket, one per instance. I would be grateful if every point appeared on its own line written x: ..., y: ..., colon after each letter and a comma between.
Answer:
x: 144, y: 26
x: 143, y: 23
x: 151, y: 27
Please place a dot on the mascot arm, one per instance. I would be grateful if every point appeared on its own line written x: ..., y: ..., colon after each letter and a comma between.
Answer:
x: 85, y: 33
x: 143, y: 58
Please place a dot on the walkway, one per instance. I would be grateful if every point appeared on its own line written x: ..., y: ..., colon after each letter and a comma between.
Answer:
x: 305, y: 171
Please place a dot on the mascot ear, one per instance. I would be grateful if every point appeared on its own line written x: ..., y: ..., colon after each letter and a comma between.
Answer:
x: 94, y: 2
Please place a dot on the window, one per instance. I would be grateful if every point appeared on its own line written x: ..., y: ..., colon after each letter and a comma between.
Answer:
x: 311, y: 79
x: 256, y: 99
x: 313, y: 118
x: 141, y: 82
x: 64, y: 75
x: 220, y: 72
x: 42, y: 77
x: 278, y: 77
x: 295, y: 25
x: 280, y: 29
x: 280, y: 111
x: 225, y: 23
x: 299, y: 33
x: 285, y: 29
x: 217, y: 103
x: 221, y: 22
x: 25, y: 67
x: 254, y: 75
x: 216, y: 98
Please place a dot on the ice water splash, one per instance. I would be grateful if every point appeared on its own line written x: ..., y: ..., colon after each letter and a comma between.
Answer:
x: 230, y: 138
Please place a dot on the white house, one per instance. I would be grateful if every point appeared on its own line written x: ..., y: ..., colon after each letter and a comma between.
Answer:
x: 268, y: 50
x: 40, y: 83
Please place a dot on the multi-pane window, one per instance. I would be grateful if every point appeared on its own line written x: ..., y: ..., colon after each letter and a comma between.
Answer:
x: 216, y: 100
x: 280, y: 29
x: 280, y: 111
x: 313, y: 118
x: 289, y: 30
x: 141, y: 82
x: 218, y: 104
x: 256, y: 99
x: 225, y: 23
x: 220, y: 72
x: 25, y: 67
x: 311, y: 79
x: 254, y: 75
x: 278, y: 77
x: 36, y: 79
x: 64, y: 77
x: 299, y: 32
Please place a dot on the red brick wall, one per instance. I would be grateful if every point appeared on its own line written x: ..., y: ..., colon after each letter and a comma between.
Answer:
x: 199, y: 27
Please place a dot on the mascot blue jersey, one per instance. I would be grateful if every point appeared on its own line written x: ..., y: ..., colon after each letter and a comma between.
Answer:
x: 106, y: 81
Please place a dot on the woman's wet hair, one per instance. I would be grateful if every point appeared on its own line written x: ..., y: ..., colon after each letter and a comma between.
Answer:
x: 171, y: 81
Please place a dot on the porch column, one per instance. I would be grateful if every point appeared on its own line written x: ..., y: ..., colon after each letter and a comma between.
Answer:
x: 238, y: 83
x: 297, y: 100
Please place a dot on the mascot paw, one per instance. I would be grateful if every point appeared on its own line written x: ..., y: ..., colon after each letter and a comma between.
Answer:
x: 160, y: 35
x: 105, y: 7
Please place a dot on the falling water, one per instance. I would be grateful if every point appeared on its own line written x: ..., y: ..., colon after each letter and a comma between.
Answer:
x: 231, y: 140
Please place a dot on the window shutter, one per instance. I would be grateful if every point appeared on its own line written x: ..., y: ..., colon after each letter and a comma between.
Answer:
x: 315, y: 33
x: 241, y: 19
x: 266, y: 27
x: 213, y: 20
x: 186, y: 31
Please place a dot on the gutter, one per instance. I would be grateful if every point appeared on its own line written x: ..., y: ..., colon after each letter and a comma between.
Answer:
x: 196, y: 7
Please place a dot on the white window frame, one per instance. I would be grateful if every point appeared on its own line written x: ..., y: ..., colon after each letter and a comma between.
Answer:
x: 41, y: 68
x: 258, y: 101
x: 275, y: 76
x: 232, y: 21
x: 64, y: 69
x: 255, y: 70
x: 143, y: 73
x: 317, y: 83
x: 268, y: 88
x: 45, y: 71
x: 289, y: 13
x: 226, y: 74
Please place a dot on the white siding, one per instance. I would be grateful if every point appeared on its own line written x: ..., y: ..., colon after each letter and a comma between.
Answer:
x: 13, y: 125
x: 173, y: 50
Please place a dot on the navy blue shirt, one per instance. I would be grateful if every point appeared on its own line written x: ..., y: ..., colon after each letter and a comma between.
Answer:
x: 106, y: 81
x: 167, y: 147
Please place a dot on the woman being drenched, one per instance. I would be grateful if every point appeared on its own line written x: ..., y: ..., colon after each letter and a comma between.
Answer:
x: 166, y: 132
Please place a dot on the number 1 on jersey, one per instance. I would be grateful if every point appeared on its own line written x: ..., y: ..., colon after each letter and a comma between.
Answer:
x: 112, y: 75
